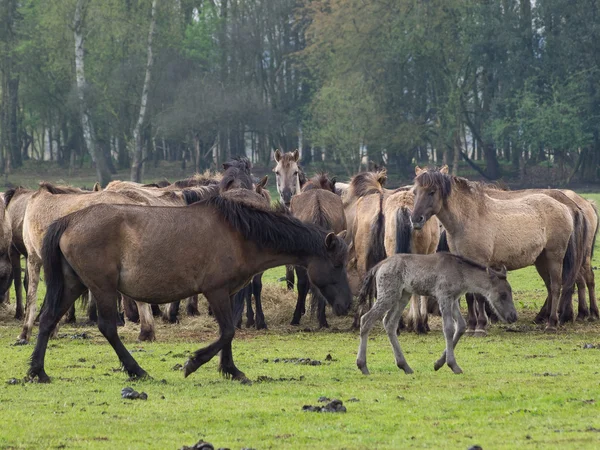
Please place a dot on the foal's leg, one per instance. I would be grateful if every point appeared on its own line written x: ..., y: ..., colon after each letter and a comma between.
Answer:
x: 15, y: 258
x: 261, y: 324
x: 303, y: 285
x: 191, y: 307
x: 390, y: 323
x: 461, y: 326
x: 107, y: 324
x: 221, y: 307
x: 34, y: 265
x: 383, y: 304
x: 146, y: 322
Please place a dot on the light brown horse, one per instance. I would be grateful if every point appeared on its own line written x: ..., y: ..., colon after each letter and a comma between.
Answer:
x: 43, y: 208
x: 401, y: 237
x: 317, y: 204
x: 6, y: 271
x: 576, y: 205
x: 234, y: 240
x: 535, y: 229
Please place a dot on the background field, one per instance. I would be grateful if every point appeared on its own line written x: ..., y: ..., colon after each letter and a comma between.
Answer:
x: 521, y: 388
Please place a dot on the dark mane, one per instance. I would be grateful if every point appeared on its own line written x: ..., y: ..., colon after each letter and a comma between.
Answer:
x: 191, y: 196
x: 366, y: 183
x: 472, y: 263
x: 10, y: 194
x: 433, y: 178
x: 61, y: 189
x: 234, y: 177
x: 275, y: 231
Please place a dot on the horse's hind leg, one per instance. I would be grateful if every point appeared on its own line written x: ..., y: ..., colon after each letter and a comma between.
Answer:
x: 261, y: 324
x: 390, y: 323
x: 422, y: 323
x: 413, y: 312
x: 482, y: 319
x: 459, y: 325
x: 170, y: 315
x: 583, y: 311
x: 367, y: 322
x: 15, y: 258
x: 303, y: 285
x: 34, y: 265
x: 221, y: 306
x: 146, y: 322
x: 92, y: 311
x: 591, y: 285
x: 48, y: 321
x: 289, y: 278
x: 544, y: 312
x: 70, y: 317
x: 107, y: 324
x: 131, y: 311
x: 250, y: 321
x: 191, y: 308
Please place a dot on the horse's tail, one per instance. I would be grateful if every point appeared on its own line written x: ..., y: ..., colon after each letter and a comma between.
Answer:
x: 443, y: 242
x: 368, y: 291
x: 403, y: 230
x: 576, y: 251
x: 376, y: 249
x: 52, y: 258
x: 595, y: 207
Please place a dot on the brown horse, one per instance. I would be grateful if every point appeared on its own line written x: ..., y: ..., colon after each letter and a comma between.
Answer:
x: 535, y: 229
x: 363, y: 206
x: 42, y: 209
x: 6, y: 270
x: 401, y: 237
x: 238, y: 241
x: 317, y: 204
x: 576, y: 205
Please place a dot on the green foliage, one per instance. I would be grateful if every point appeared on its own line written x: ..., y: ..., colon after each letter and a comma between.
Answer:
x: 200, y: 41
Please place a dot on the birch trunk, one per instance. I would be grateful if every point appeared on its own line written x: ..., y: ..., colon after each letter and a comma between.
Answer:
x: 137, y: 162
x: 95, y: 152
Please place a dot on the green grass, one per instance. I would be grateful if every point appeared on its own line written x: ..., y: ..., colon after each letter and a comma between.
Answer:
x: 520, y: 389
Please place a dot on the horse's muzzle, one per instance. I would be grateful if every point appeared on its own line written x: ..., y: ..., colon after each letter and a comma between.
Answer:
x: 418, y: 223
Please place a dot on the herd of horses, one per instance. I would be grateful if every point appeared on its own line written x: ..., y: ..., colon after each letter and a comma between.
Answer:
x: 216, y: 233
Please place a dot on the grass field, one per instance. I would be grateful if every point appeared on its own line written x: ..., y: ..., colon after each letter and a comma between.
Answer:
x: 521, y: 387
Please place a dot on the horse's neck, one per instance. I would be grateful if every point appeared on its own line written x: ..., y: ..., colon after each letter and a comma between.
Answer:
x: 460, y: 211
x: 265, y: 259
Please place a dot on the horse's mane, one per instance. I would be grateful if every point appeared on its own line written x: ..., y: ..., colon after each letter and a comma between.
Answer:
x: 14, y: 192
x: 44, y: 185
x: 366, y: 183
x: 320, y: 181
x: 267, y: 229
x: 199, y: 193
x: 198, y: 179
x: 472, y: 263
x: 434, y: 178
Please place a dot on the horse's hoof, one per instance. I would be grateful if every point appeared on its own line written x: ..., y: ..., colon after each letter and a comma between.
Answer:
x: 146, y: 336
x: 192, y: 312
x: 19, y: 316
x: 540, y: 319
x: 21, y: 341
x: 469, y: 331
x: 295, y: 322
x: 406, y: 368
x: 363, y: 367
x: 581, y: 317
x: 439, y: 364
x: 37, y: 377
x: 480, y: 333
x: 592, y: 318
x: 550, y: 329
x: 261, y: 326
x: 190, y: 367
x: 139, y: 376
x: 457, y: 370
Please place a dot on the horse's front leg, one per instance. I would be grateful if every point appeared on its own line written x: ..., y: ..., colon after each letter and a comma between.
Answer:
x: 471, y: 313
x: 460, y: 327
x: 221, y: 307
x: 33, y: 269
x: 367, y: 322
x: 583, y: 311
x: 146, y: 322
x: 257, y: 291
x: 303, y: 285
x: 482, y: 319
x: 15, y: 258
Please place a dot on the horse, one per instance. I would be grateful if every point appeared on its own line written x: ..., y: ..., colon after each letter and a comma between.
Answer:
x: 42, y: 209
x: 317, y: 204
x: 289, y: 179
x: 443, y: 276
x: 234, y: 240
x: 6, y: 267
x: 400, y: 237
x: 533, y: 230
x: 576, y: 205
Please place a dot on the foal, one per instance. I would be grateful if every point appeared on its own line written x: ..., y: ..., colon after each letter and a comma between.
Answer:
x: 441, y: 275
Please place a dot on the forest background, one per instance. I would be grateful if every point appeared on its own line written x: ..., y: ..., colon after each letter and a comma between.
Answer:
x: 502, y: 88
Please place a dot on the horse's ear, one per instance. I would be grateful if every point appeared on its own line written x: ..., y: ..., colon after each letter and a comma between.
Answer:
x: 296, y: 154
x: 263, y: 181
x: 342, y: 235
x: 333, y: 181
x: 226, y: 166
x: 277, y: 155
x: 382, y: 177
x: 97, y: 187
x: 419, y: 171
x: 330, y: 241
x: 444, y: 169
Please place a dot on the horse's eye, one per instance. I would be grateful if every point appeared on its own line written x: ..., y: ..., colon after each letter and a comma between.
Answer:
x: 431, y: 193
x: 277, y: 173
x: 295, y: 173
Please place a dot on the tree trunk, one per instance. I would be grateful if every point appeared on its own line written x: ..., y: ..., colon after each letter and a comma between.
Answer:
x: 102, y: 171
x: 136, y: 164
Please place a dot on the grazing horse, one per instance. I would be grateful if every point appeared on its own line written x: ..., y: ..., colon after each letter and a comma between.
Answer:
x: 441, y: 275
x: 401, y: 237
x: 234, y: 240
x: 516, y: 233
x: 577, y: 205
x: 6, y: 270
x: 317, y: 204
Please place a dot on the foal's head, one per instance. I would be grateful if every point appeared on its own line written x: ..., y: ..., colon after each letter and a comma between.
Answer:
x: 500, y: 295
x: 432, y: 187
x: 329, y: 274
x: 288, y: 175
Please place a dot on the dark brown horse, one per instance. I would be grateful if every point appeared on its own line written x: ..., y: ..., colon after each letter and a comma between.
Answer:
x: 317, y: 204
x: 153, y: 255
